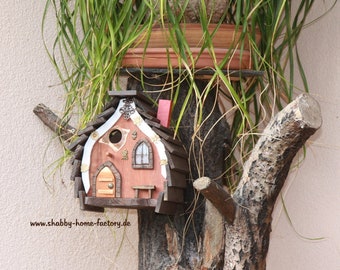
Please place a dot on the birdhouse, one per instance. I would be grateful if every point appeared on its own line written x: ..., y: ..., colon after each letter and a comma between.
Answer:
x: 126, y: 158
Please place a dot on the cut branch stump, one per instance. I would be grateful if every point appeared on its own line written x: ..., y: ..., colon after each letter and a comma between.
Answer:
x: 220, y: 198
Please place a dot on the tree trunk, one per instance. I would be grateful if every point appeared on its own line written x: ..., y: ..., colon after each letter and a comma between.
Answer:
x: 193, y: 240
x: 247, y: 237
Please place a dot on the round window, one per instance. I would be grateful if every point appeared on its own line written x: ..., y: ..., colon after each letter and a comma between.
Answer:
x: 115, y: 136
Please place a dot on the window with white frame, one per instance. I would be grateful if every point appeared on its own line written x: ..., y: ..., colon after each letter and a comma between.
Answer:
x: 142, y: 155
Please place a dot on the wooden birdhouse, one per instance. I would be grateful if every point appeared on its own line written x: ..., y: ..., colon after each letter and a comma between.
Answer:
x: 126, y: 158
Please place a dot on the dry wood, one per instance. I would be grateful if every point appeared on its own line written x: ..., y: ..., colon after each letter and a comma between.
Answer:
x: 200, y: 232
x: 247, y: 239
x: 213, y: 242
x: 50, y: 119
x: 220, y: 198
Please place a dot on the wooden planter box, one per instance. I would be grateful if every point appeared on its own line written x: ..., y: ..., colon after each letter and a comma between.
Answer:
x: 158, y: 52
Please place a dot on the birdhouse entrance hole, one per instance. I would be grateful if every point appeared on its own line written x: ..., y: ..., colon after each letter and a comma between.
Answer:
x: 115, y: 136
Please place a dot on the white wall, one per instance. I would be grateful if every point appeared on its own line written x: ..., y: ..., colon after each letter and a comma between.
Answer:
x: 312, y: 191
x: 27, y: 148
x: 311, y: 194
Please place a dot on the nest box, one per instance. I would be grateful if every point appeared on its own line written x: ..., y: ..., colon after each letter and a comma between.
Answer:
x: 126, y: 158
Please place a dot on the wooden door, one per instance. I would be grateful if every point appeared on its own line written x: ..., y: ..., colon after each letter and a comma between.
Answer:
x: 106, y: 183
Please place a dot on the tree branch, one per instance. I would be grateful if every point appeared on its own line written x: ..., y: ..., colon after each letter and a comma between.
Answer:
x: 64, y: 130
x: 268, y: 164
x: 220, y: 198
x: 263, y: 177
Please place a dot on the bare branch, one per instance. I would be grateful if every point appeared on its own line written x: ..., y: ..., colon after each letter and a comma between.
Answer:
x: 220, y: 198
x: 64, y: 130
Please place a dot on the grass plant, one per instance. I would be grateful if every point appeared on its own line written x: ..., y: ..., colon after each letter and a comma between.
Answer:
x: 93, y: 36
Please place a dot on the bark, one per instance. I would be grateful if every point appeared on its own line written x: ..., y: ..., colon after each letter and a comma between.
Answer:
x: 193, y: 240
x: 247, y: 239
x: 56, y: 124
x: 219, y: 197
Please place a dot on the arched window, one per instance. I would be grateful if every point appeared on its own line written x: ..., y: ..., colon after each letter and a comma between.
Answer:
x: 142, y: 155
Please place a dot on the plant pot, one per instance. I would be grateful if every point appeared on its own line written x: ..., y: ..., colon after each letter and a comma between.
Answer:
x: 158, y: 52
